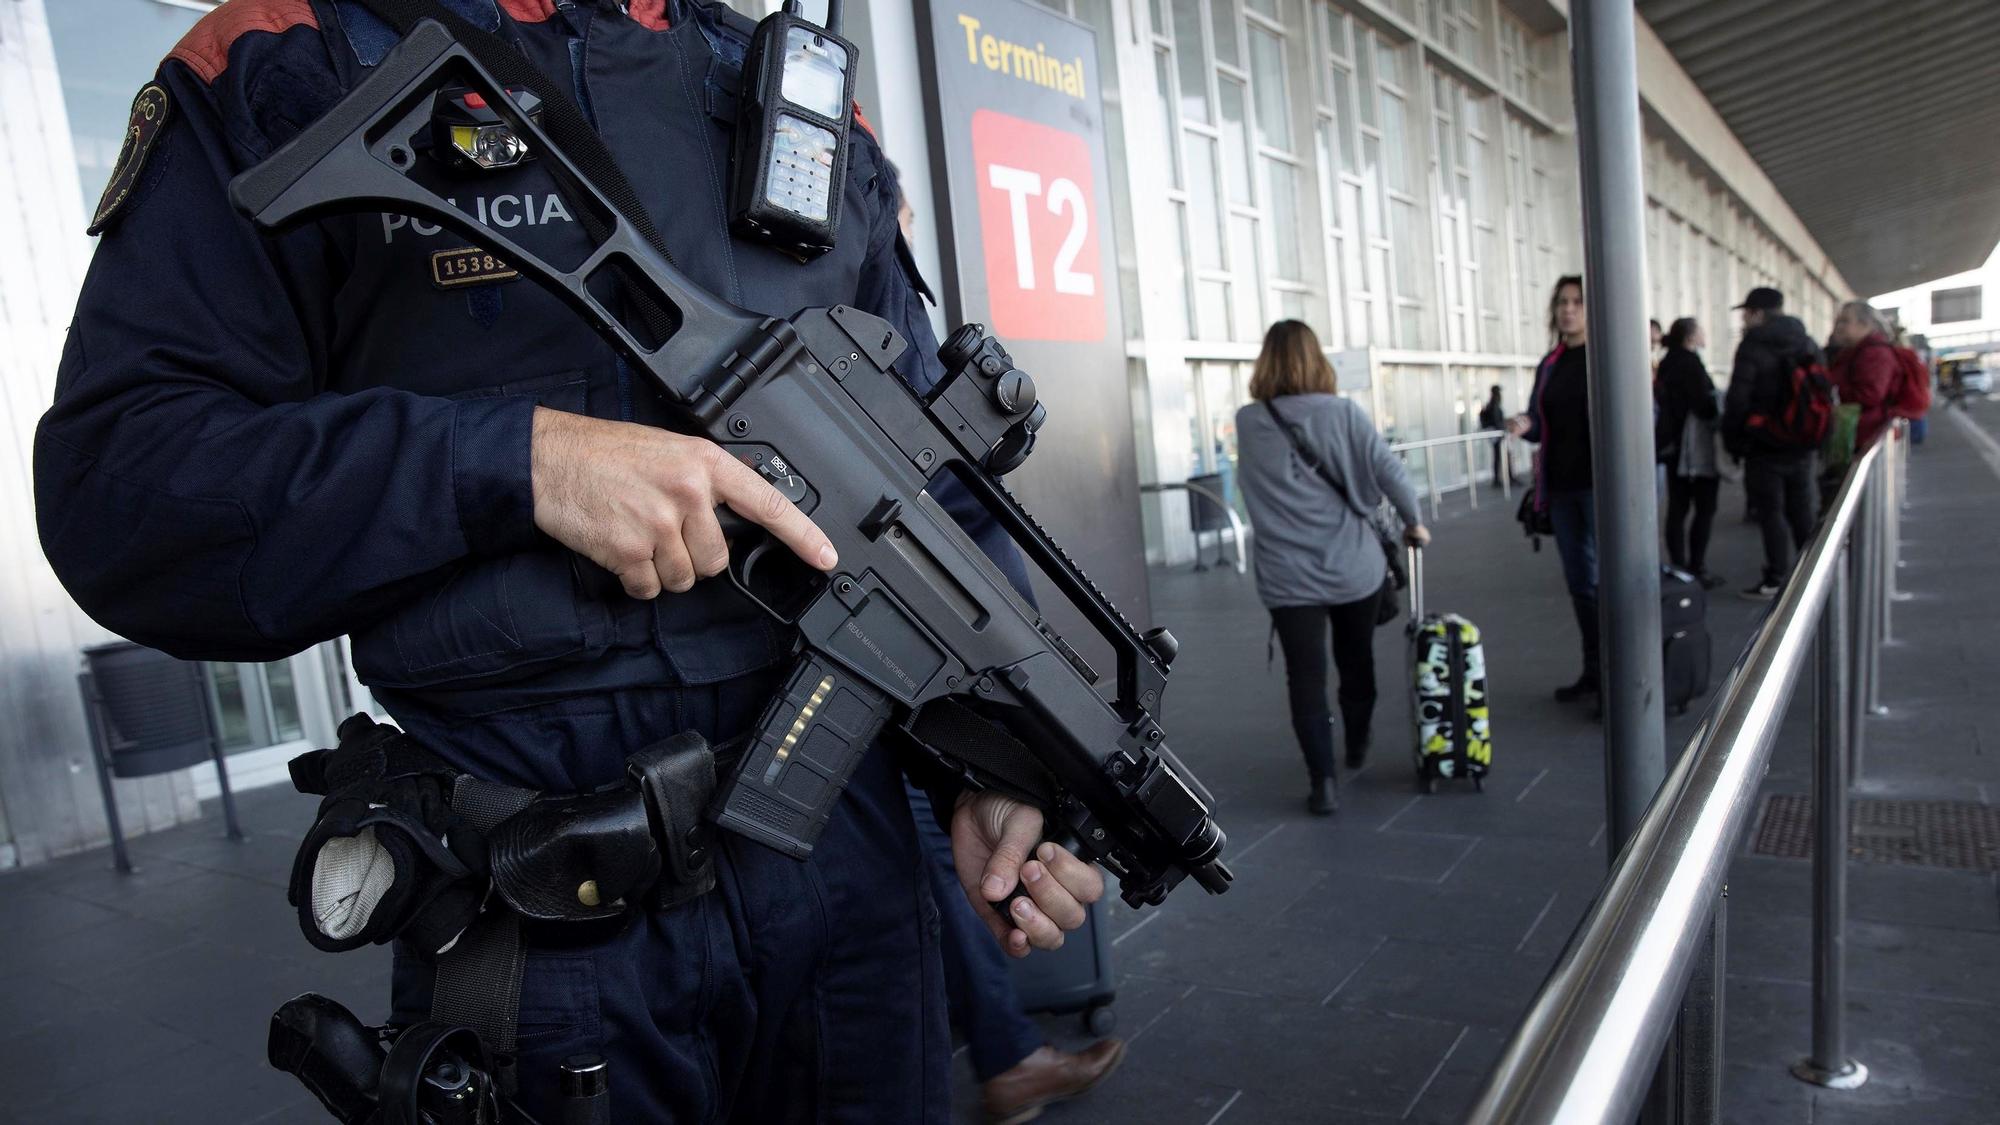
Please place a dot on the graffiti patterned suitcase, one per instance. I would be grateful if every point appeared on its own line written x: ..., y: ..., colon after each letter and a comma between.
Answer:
x: 1448, y: 702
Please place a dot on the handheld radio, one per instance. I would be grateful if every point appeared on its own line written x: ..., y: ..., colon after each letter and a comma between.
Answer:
x: 790, y: 158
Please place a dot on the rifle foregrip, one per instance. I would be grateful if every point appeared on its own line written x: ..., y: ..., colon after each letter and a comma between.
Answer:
x: 806, y: 746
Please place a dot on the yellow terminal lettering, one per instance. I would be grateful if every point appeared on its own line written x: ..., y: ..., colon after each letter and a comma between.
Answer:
x: 1029, y: 64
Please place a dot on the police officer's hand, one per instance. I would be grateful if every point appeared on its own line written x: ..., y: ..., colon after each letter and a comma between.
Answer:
x: 640, y: 501
x: 996, y: 844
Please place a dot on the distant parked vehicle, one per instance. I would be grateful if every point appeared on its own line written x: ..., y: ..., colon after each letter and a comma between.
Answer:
x: 1975, y: 381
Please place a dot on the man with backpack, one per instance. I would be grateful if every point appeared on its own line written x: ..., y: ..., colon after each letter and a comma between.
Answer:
x: 1779, y: 408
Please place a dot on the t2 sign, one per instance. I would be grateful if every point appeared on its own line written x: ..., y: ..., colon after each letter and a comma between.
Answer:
x: 1039, y: 229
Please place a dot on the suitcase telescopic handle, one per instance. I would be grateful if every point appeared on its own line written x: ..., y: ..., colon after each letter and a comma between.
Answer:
x: 1414, y: 562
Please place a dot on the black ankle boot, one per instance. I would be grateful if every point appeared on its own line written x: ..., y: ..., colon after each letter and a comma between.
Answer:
x: 1324, y: 797
x: 1585, y: 687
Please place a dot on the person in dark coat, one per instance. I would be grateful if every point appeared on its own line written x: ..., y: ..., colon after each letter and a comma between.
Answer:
x: 1558, y: 418
x: 1686, y: 443
x: 1778, y: 479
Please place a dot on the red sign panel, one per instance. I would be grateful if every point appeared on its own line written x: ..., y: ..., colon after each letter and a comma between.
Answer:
x: 1038, y: 223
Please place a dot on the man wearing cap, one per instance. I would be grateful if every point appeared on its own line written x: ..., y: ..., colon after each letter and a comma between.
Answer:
x: 1778, y: 479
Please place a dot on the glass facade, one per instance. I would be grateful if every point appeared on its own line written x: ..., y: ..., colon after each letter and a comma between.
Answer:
x: 1400, y: 175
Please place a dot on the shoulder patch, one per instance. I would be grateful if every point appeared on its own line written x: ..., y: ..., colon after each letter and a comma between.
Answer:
x: 205, y: 48
x: 649, y: 14
x: 149, y: 117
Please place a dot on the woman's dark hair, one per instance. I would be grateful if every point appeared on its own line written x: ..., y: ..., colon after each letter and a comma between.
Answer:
x: 1291, y: 364
x: 1555, y: 295
x: 1677, y: 336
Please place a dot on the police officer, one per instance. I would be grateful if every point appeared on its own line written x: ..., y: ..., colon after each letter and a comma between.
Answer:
x: 367, y: 427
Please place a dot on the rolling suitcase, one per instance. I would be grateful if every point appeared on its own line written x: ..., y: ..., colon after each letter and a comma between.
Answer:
x: 1073, y: 979
x: 1453, y: 734
x: 1684, y: 661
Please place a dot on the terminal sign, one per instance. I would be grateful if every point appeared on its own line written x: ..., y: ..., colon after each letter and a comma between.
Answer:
x: 1038, y: 229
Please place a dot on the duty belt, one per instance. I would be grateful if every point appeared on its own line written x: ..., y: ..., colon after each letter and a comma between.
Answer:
x: 407, y: 846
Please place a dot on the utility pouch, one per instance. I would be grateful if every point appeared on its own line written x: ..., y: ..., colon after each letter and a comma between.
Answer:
x: 676, y: 779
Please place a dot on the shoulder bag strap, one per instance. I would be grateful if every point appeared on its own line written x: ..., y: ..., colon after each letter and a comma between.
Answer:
x: 1312, y: 460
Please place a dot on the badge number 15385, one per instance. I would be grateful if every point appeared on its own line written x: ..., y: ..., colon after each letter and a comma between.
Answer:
x: 1038, y: 229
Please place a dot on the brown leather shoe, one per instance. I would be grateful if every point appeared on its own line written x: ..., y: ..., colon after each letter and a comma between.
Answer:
x: 1046, y: 1077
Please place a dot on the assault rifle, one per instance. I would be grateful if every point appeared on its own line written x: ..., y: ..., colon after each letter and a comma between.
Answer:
x: 917, y: 632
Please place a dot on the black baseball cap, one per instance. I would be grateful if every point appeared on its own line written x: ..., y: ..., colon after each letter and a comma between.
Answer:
x: 1770, y: 300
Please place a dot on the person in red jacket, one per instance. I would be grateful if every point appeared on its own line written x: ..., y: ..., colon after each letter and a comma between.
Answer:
x: 1865, y: 369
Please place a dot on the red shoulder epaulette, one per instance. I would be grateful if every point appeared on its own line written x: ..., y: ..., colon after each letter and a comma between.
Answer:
x: 205, y: 48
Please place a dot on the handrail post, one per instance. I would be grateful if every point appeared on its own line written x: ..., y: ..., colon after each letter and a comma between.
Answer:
x: 1858, y: 580
x: 1506, y: 468
x: 1878, y: 589
x: 1471, y: 476
x: 1431, y: 478
x: 1828, y: 1065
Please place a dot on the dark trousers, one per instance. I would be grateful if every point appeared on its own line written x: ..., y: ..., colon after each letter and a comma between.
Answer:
x: 1498, y: 473
x: 795, y: 992
x: 1780, y: 487
x: 1302, y: 632
x: 1687, y: 544
x: 1573, y: 516
x: 978, y: 979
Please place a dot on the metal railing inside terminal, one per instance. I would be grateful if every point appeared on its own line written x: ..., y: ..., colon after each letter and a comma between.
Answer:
x: 1590, y: 1046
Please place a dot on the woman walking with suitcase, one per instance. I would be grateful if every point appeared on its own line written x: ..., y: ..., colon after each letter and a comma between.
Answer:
x: 1312, y: 469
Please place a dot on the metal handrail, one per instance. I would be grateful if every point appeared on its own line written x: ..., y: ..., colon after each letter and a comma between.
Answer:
x: 1590, y: 1044
x: 1216, y: 498
x: 1468, y: 441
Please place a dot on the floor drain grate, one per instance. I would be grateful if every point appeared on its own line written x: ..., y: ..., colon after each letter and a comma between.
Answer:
x: 1951, y: 834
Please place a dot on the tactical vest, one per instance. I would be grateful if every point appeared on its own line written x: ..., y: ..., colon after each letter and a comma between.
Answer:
x: 417, y: 308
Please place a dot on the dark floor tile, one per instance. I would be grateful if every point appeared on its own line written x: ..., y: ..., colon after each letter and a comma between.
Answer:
x: 30, y: 999
x: 1141, y: 1091
x: 1505, y: 861
x: 106, y: 947
x: 221, y: 996
x: 1339, y: 847
x: 1141, y: 1002
x: 82, y: 1046
x: 1909, y: 1044
x: 1340, y: 1059
x: 1929, y: 1107
x: 1764, y: 1095
x: 1459, y: 1078
x: 1495, y: 917
x: 1270, y: 961
x: 1454, y: 983
x: 195, y: 1085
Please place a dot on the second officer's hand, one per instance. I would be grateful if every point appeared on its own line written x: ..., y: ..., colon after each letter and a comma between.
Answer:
x: 996, y: 843
x: 640, y: 501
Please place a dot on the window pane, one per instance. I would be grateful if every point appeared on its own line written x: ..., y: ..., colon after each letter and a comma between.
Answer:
x: 1236, y: 162
x: 1343, y: 111
x: 1188, y: 54
x: 1211, y: 299
x: 1323, y: 145
x: 1263, y: 7
x: 1389, y: 62
x: 1249, y: 278
x: 1283, y: 215
x: 1206, y: 229
x: 1223, y: 15
x: 1274, y: 113
x: 1164, y: 86
x: 1395, y: 152
x: 1364, y: 74
x: 1177, y: 311
x: 1350, y: 245
x: 1334, y: 24
x: 1408, y: 248
x: 1159, y: 17
x: 285, y: 723
x: 232, y: 711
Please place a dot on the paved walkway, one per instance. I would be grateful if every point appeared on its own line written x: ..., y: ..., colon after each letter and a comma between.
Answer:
x: 1364, y: 969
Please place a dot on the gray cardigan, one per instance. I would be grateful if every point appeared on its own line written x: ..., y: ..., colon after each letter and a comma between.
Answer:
x: 1310, y: 547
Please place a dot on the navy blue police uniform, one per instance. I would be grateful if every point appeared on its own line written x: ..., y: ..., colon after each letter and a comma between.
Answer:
x: 259, y: 443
